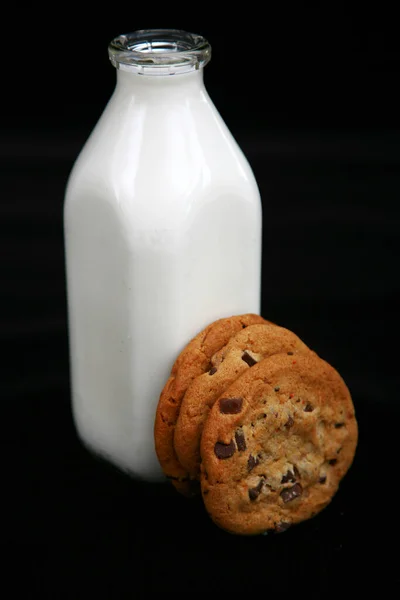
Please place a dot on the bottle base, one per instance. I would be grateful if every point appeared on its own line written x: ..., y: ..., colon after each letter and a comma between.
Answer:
x: 106, y: 458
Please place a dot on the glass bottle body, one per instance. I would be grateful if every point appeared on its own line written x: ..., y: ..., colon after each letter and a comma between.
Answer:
x: 163, y: 236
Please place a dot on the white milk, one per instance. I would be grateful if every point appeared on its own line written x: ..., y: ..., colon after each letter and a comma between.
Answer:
x: 163, y: 236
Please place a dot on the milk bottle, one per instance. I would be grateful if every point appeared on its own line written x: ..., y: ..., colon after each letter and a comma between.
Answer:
x: 162, y: 236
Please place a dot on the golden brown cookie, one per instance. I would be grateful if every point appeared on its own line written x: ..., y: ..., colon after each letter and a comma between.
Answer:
x: 194, y: 360
x: 276, y: 444
x: 242, y: 351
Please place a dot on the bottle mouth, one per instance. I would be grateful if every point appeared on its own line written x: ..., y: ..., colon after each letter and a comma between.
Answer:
x: 159, y: 52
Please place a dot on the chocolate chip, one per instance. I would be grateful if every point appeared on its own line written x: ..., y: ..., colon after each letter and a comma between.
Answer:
x: 240, y: 440
x: 333, y: 461
x: 291, y: 493
x: 289, y: 423
x: 308, y: 407
x: 277, y: 388
x: 289, y: 477
x: 322, y: 479
x: 255, y: 492
x: 212, y: 371
x: 290, y: 353
x: 296, y: 472
x: 224, y: 450
x: 339, y: 425
x: 281, y: 527
x: 248, y: 359
x: 230, y: 406
x: 252, y: 462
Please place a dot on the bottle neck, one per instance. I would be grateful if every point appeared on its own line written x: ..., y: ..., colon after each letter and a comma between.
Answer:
x: 157, y: 86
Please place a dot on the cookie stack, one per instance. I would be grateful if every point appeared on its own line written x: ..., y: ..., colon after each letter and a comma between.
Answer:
x: 257, y: 422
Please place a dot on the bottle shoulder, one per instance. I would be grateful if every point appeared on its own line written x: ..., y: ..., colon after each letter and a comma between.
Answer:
x: 172, y: 155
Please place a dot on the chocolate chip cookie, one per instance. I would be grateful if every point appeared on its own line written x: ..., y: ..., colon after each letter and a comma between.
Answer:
x: 194, y: 360
x: 243, y: 351
x: 276, y: 444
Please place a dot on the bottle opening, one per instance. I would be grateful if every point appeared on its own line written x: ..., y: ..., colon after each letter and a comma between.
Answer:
x: 159, y: 51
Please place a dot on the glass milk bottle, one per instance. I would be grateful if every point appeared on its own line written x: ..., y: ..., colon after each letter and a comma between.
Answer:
x: 162, y: 235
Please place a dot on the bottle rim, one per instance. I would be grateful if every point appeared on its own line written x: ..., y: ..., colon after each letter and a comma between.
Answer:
x: 159, y: 51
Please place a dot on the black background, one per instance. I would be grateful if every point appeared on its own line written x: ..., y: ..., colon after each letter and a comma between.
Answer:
x: 311, y: 98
